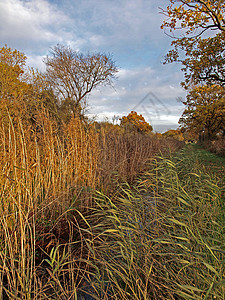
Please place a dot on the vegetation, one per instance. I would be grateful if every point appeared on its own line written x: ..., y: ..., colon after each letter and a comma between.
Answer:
x: 203, y: 62
x: 164, y: 237
x: 50, y: 168
x: 204, y: 57
x: 73, y: 75
x: 47, y: 187
x: 135, y: 123
x: 205, y: 111
x: 90, y: 208
x: 176, y: 134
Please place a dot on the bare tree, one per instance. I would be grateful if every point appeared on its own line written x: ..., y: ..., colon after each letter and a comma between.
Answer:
x: 74, y: 75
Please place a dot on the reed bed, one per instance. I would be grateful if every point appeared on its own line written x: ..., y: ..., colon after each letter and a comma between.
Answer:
x: 127, y: 155
x: 162, y: 238
x: 49, y: 174
x: 77, y: 222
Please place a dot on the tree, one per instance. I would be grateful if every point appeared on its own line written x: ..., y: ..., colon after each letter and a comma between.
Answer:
x: 12, y: 64
x: 23, y: 92
x: 176, y: 134
x: 205, y: 111
x: 194, y: 16
x: 204, y: 57
x: 204, y: 60
x: 74, y: 75
x: 41, y: 95
x: 135, y: 122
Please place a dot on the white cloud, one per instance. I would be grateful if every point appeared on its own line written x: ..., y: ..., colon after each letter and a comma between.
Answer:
x: 142, y: 90
x: 129, y: 29
x: 30, y: 21
x: 36, y: 61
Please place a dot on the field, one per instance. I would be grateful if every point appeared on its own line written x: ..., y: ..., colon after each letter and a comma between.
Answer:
x: 97, y: 214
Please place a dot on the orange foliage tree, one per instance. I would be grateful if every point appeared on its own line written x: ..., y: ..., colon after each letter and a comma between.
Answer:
x: 12, y: 64
x: 23, y: 91
x: 205, y: 111
x: 176, y: 134
x: 203, y: 59
x: 135, y: 122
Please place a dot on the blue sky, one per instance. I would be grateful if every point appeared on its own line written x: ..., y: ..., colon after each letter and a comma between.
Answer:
x: 127, y: 29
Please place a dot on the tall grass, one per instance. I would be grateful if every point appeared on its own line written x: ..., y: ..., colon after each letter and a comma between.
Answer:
x: 129, y: 154
x: 157, y: 237
x: 47, y: 212
x: 163, y: 238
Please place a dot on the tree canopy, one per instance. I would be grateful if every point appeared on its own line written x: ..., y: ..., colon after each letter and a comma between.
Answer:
x: 205, y: 111
x: 202, y: 58
x: 174, y: 133
x: 136, y: 123
x: 194, y: 16
x: 23, y: 91
x: 12, y: 64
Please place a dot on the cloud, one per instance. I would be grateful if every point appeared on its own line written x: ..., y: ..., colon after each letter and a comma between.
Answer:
x: 144, y: 90
x: 128, y: 29
x: 116, y: 26
x: 36, y: 61
x: 123, y: 21
x: 25, y: 23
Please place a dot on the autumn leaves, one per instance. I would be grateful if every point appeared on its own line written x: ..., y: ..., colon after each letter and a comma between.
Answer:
x: 203, y: 60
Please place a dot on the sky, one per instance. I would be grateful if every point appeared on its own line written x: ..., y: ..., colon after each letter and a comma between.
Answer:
x: 128, y: 30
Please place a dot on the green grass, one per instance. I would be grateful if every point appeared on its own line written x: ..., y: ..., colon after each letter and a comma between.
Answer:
x: 163, y: 238
x: 213, y: 163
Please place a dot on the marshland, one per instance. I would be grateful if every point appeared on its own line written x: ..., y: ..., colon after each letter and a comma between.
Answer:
x: 99, y: 209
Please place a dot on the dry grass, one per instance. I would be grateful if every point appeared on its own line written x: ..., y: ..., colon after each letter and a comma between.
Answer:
x: 48, y: 178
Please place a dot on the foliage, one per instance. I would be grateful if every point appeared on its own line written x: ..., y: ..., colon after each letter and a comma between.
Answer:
x: 108, y: 127
x: 74, y: 75
x: 23, y: 92
x: 135, y: 122
x: 177, y: 134
x: 217, y: 146
x: 52, y: 228
x: 192, y: 15
x: 12, y: 64
x: 204, y: 57
x: 205, y: 111
x: 48, y: 179
x: 203, y: 62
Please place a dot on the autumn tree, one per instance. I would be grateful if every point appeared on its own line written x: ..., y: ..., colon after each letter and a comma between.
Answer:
x: 194, y: 17
x: 136, y: 123
x: 205, y: 111
x: 42, y: 95
x: 74, y: 75
x: 203, y: 59
x: 23, y: 91
x: 12, y: 64
x: 176, y: 134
